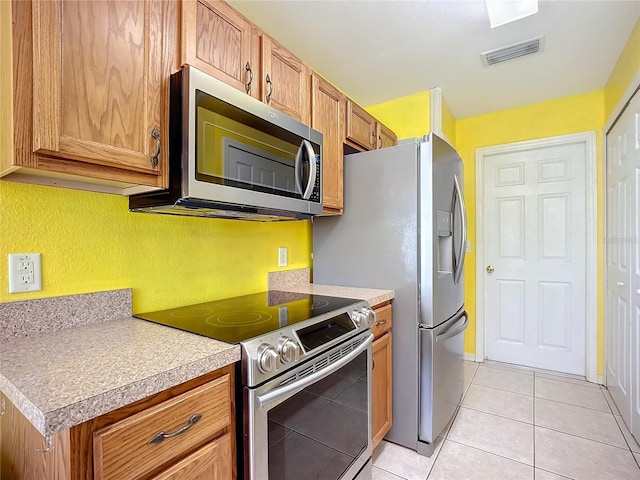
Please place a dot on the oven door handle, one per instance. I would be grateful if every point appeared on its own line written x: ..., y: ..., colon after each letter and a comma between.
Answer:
x: 291, y: 388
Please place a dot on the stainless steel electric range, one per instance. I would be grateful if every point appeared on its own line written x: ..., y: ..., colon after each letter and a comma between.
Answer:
x: 305, y: 379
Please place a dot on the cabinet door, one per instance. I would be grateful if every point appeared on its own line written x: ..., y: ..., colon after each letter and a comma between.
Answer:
x: 361, y: 126
x: 386, y: 137
x: 285, y: 80
x: 381, y: 388
x: 327, y: 116
x: 100, y: 83
x: 213, y: 461
x: 217, y: 40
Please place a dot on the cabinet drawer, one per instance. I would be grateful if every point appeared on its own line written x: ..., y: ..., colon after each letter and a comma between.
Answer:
x: 122, y: 450
x: 383, y: 321
x: 213, y: 461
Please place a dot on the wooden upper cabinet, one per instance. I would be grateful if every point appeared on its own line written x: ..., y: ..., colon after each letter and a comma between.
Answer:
x: 361, y: 126
x: 386, y: 137
x: 285, y: 80
x: 101, y: 85
x: 364, y: 132
x: 327, y: 116
x: 217, y: 40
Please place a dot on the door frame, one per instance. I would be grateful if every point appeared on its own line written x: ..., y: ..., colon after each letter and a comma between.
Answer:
x: 591, y: 251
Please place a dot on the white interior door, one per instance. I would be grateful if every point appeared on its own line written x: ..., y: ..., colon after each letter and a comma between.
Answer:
x: 623, y: 264
x: 534, y: 211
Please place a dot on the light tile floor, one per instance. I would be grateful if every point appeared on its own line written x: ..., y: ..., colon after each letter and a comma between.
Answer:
x: 521, y: 423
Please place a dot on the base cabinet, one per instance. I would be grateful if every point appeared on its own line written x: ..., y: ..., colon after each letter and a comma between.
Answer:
x: 382, y: 405
x: 118, y: 445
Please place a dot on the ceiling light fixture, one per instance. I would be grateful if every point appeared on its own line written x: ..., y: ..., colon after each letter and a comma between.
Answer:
x: 506, y: 11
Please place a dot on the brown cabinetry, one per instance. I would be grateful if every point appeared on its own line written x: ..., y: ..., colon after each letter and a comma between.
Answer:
x: 284, y: 80
x: 386, y: 137
x: 217, y: 40
x: 327, y: 116
x: 90, y: 91
x: 382, y: 380
x: 118, y: 445
x: 364, y: 132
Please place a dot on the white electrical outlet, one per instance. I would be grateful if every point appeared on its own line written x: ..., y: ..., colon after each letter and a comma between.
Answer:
x: 282, y: 256
x: 25, y: 272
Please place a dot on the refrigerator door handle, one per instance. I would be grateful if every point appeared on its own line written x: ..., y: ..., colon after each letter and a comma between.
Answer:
x: 459, y: 265
x: 452, y: 332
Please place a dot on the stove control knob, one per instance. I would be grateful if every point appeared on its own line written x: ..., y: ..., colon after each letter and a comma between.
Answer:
x: 359, y: 318
x: 267, y: 358
x: 288, y: 350
x: 370, y: 316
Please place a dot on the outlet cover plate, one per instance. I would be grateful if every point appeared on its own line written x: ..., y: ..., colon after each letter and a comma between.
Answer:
x: 25, y: 272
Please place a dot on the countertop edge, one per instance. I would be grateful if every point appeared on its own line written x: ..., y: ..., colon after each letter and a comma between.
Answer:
x: 49, y: 421
x: 74, y: 414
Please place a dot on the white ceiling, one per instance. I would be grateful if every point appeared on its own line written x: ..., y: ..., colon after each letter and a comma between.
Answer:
x: 380, y: 50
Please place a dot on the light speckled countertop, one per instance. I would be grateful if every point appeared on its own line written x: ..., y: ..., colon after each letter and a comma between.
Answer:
x: 298, y: 281
x: 70, y: 359
x: 62, y: 378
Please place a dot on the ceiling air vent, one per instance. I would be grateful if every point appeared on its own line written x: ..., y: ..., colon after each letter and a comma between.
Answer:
x: 510, y: 52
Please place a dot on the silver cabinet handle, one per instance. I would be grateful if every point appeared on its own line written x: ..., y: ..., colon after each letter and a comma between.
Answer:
x: 155, y: 133
x: 381, y: 322
x: 270, y: 83
x: 159, y: 437
x: 247, y: 86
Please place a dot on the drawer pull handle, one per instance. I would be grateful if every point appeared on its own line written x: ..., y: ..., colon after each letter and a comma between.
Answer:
x: 381, y: 322
x: 159, y: 437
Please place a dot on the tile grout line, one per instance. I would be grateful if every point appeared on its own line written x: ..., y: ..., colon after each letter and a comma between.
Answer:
x: 490, y: 453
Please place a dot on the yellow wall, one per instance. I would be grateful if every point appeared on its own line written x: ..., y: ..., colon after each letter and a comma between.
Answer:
x: 448, y: 123
x: 91, y: 242
x: 626, y: 68
x: 546, y: 119
x: 408, y: 116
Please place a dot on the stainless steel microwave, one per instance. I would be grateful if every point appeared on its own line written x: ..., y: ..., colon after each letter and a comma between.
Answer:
x: 232, y: 156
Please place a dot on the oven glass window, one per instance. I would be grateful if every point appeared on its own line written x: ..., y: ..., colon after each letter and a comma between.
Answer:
x: 319, y: 432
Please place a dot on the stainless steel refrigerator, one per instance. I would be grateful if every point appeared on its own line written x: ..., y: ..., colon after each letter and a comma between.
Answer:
x: 404, y: 228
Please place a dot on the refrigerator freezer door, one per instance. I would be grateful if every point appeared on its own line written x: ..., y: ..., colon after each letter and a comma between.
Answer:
x: 441, y: 378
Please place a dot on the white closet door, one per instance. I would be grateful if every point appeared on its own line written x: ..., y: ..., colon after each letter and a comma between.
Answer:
x: 623, y: 265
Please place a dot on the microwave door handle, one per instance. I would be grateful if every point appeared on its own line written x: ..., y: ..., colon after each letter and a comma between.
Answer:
x: 298, y: 167
x: 311, y: 154
x: 459, y: 266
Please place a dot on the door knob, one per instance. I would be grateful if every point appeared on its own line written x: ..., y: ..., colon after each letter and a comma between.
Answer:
x: 490, y: 269
x: 621, y: 284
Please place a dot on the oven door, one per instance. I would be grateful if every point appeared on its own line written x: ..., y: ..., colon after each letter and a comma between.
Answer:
x: 314, y: 421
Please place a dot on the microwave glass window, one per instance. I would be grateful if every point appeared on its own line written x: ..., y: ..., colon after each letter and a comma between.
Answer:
x: 238, y: 149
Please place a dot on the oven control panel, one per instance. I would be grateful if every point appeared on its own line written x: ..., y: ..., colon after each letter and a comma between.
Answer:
x: 267, y: 355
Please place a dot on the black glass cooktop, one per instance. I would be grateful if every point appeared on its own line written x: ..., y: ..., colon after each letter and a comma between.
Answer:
x: 237, y: 319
